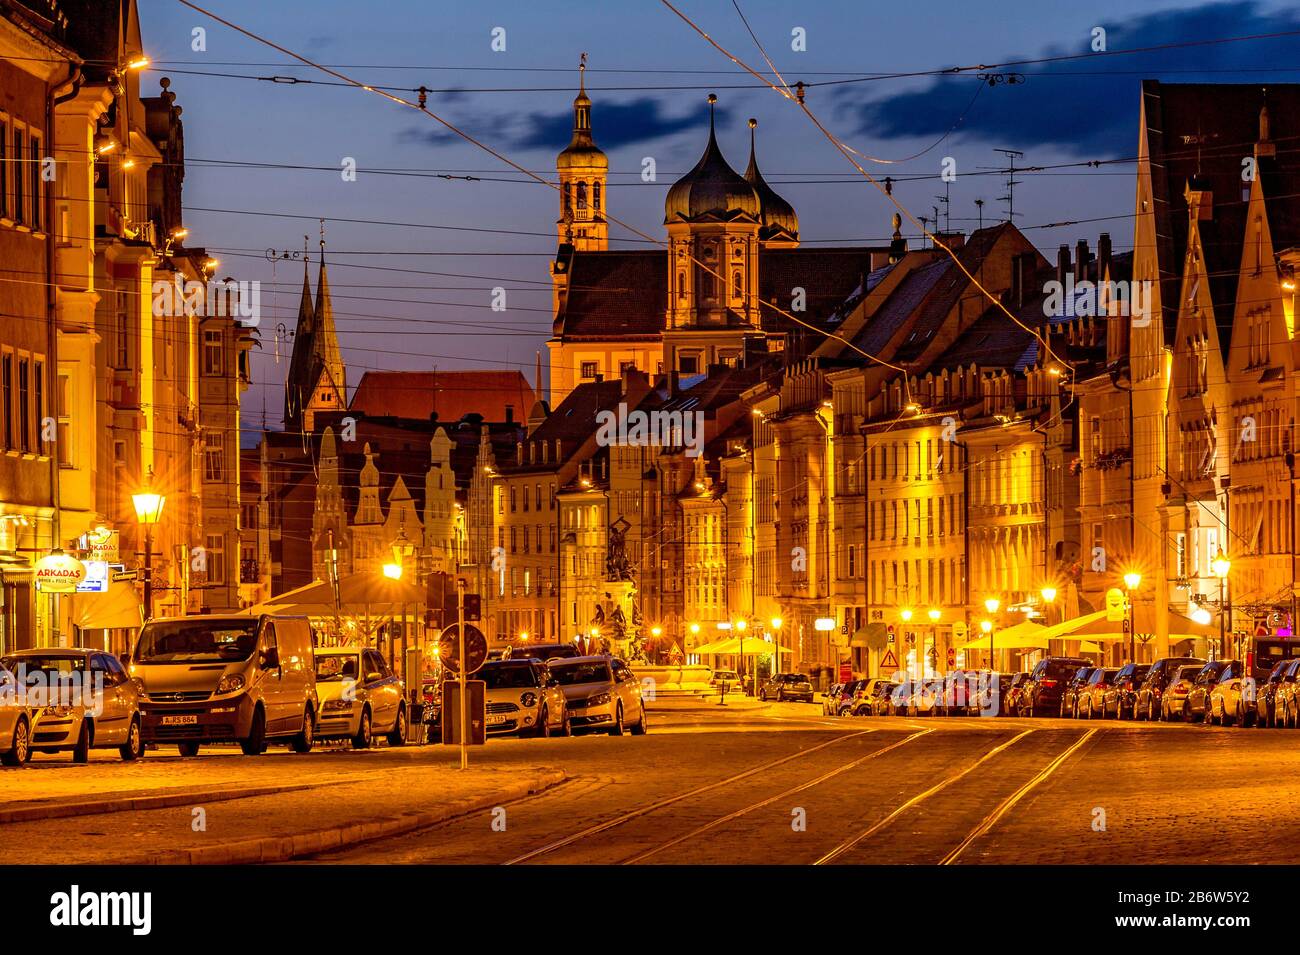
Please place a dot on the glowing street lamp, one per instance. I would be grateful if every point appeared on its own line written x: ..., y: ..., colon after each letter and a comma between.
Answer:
x: 991, y: 604
x: 987, y: 627
x: 148, y: 511
x: 1131, y: 581
x: 1221, y: 565
x: 393, y: 571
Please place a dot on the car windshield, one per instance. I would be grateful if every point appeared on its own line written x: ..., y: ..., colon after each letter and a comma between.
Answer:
x: 508, y: 676
x: 572, y: 674
x: 336, y: 666
x: 724, y: 674
x: 29, y: 665
x: 1188, y: 673
x: 194, y: 642
x: 791, y: 678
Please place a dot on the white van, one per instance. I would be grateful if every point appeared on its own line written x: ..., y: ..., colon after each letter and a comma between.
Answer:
x: 207, y: 679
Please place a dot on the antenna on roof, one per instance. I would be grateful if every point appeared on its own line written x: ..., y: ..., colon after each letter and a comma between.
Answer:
x: 1010, y: 198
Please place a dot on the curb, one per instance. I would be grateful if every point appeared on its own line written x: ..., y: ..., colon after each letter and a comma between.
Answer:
x: 130, y: 803
x: 283, y: 848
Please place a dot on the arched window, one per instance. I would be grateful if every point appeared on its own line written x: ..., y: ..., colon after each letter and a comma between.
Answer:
x: 681, y: 285
x: 568, y: 197
x: 582, y: 197
x: 737, y: 284
x: 595, y: 196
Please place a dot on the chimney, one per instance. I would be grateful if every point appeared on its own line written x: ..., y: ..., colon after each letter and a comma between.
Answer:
x: 1081, y: 261
x: 1103, y: 255
x: 1062, y: 264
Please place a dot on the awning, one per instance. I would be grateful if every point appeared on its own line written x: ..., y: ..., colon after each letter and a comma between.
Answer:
x: 708, y: 649
x: 362, y: 592
x: 1012, y: 638
x: 116, y: 608
x: 873, y: 636
x: 754, y: 647
x: 1097, y: 628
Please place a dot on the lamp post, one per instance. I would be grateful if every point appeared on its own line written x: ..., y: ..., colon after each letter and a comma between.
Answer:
x: 148, y: 511
x: 1048, y: 593
x: 740, y: 625
x: 1221, y: 565
x: 906, y: 616
x: 776, y: 644
x: 934, y: 613
x: 1131, y: 582
x: 991, y: 604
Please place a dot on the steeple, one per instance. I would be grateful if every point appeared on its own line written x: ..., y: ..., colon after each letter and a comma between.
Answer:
x: 297, y: 385
x: 583, y: 170
x: 780, y: 225
x: 328, y: 375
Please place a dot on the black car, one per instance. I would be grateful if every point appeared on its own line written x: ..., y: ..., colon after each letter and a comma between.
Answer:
x: 787, y: 686
x: 1070, y: 693
x: 992, y: 694
x: 1121, y: 698
x: 1149, y: 703
x: 1041, y: 695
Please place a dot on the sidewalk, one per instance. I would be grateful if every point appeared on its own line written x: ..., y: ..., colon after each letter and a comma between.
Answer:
x: 281, y: 822
x: 711, y: 704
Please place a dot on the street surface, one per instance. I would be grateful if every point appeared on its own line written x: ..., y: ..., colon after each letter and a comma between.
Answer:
x: 779, y: 784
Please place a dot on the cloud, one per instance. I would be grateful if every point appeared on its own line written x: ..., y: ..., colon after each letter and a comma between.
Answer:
x: 1081, y: 106
x: 616, y: 125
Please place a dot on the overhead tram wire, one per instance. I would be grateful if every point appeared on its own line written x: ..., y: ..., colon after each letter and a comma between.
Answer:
x: 451, y: 127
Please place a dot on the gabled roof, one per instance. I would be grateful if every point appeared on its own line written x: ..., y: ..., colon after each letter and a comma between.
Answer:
x: 496, y: 395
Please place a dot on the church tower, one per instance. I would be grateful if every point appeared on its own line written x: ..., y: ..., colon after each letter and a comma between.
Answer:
x: 583, y: 170
x: 317, y: 376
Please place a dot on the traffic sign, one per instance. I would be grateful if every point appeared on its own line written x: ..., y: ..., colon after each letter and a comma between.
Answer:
x: 890, y: 662
x: 475, y: 648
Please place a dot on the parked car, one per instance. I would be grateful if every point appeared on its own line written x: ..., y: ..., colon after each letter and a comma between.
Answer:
x: 1121, y: 698
x: 925, y: 696
x: 725, y: 681
x: 1150, y: 695
x: 843, y: 700
x: 899, y: 698
x: 1041, y: 695
x: 1070, y: 693
x: 80, y: 700
x: 543, y: 652
x: 787, y: 686
x: 1197, y: 705
x: 250, y: 680
x: 1286, y: 705
x: 830, y: 699
x: 1232, y: 699
x: 15, y: 721
x: 1092, y: 695
x: 360, y: 697
x: 874, y: 702
x: 992, y: 694
x: 600, y: 693
x: 1266, y: 693
x: 1173, y: 701
x: 523, y: 696
x: 1010, y: 702
x: 959, y: 688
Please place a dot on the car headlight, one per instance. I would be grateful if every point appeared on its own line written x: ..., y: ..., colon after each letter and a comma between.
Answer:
x: 335, y: 705
x: 139, y: 684
x: 600, y: 699
x: 231, y: 683
x: 59, y: 710
x: 528, y: 699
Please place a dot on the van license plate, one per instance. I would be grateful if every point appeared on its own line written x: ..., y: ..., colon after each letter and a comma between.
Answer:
x: 495, y: 718
x: 180, y: 720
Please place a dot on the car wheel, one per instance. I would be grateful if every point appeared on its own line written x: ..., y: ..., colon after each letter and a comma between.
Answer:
x: 306, y: 737
x: 1151, y: 711
x: 398, y: 736
x: 255, y: 743
x: 641, y: 725
x: 364, y: 731
x: 1188, y: 716
x: 543, y: 727
x: 187, y: 749
x: 133, y: 748
x: 1087, y: 714
x: 81, y: 751
x: 20, y: 750
x: 566, y: 728
x: 617, y: 728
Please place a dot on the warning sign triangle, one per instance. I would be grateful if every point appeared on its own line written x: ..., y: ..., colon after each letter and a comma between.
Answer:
x: 890, y: 662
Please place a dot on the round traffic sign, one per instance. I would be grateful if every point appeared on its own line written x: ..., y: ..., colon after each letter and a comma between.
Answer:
x: 475, y: 648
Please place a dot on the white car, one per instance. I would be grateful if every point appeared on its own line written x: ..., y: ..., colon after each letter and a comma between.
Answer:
x: 15, y: 722
x: 81, y: 699
x: 523, y: 697
x: 360, y: 697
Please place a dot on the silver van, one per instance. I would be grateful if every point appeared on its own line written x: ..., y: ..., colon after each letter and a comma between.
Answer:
x: 208, y: 679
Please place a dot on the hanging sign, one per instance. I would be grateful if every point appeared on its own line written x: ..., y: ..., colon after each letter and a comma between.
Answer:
x: 1114, y: 605
x: 59, y: 574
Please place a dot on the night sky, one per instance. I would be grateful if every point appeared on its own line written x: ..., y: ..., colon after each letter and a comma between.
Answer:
x: 412, y: 297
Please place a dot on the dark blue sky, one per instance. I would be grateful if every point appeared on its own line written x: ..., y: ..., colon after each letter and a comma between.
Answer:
x: 402, y: 314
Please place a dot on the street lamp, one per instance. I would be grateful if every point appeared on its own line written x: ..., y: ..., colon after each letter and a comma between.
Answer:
x: 148, y: 511
x: 739, y: 626
x: 934, y: 613
x: 776, y: 623
x: 1221, y: 565
x: 991, y: 604
x: 1131, y: 581
x: 393, y: 571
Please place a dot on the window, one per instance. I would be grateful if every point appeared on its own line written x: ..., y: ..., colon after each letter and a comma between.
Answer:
x: 62, y: 446
x: 216, y: 559
x: 514, y: 499
x: 7, y: 384
x: 24, y: 404
x: 38, y: 404
x: 34, y: 171
x: 582, y: 197
x: 19, y: 207
x: 4, y: 166
x: 568, y: 197
x: 595, y: 196
x: 737, y: 285
x: 121, y: 326
x: 589, y: 369
x: 688, y: 364
x: 213, y: 363
x: 214, y: 456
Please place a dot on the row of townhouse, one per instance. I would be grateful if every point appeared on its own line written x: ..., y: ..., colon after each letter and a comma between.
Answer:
x: 109, y: 389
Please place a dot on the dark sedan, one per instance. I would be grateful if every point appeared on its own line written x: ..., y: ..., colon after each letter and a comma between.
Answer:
x: 1150, y: 702
x: 1070, y: 693
x: 1121, y: 698
x: 787, y: 686
x: 1041, y: 695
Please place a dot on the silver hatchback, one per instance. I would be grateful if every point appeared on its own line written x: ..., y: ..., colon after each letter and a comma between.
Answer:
x: 601, y: 694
